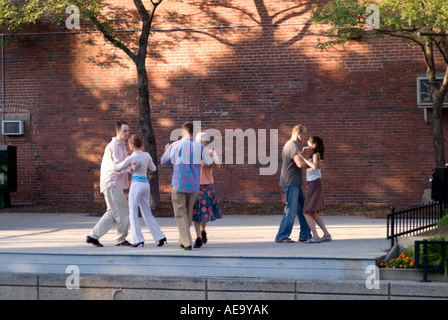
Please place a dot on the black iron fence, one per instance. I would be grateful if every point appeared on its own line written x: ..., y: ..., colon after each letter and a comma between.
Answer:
x: 438, y: 255
x: 413, y: 220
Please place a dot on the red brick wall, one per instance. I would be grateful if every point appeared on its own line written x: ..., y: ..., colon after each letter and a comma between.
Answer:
x: 235, y: 66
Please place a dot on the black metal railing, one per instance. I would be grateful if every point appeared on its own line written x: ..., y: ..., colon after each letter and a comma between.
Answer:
x: 421, y: 256
x: 413, y: 220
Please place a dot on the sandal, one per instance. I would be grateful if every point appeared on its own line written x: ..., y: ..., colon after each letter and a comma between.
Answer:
x: 313, y: 240
x: 326, y: 238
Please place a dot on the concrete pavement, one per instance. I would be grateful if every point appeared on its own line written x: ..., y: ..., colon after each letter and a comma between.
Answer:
x: 39, y: 253
x: 353, y: 236
x: 238, y: 246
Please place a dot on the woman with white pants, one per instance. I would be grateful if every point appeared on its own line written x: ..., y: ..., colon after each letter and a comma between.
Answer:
x: 139, y: 194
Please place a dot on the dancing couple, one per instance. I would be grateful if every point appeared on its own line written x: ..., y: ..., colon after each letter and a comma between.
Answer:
x: 193, y: 194
x: 192, y: 186
x: 115, y: 167
x: 306, y: 209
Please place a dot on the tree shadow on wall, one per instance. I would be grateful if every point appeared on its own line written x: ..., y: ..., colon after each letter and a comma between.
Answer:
x: 237, y: 89
x: 228, y: 88
x: 280, y: 85
x: 73, y: 117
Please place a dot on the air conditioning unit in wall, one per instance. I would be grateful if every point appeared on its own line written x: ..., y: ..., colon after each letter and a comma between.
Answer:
x: 13, y: 127
x: 424, y: 98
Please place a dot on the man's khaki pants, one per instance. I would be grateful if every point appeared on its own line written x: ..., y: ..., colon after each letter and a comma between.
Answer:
x: 117, y: 214
x: 183, y: 204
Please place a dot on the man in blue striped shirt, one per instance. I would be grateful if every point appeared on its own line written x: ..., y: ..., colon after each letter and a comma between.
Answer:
x: 185, y: 155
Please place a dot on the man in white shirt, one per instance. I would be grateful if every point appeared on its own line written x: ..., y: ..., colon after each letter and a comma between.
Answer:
x: 112, y: 185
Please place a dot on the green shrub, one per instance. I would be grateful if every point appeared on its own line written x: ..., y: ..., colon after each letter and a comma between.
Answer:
x: 443, y: 221
x: 436, y: 254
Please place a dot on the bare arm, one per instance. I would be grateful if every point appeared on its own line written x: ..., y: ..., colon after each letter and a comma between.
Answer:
x: 315, y: 164
x: 300, y: 161
x: 216, y: 161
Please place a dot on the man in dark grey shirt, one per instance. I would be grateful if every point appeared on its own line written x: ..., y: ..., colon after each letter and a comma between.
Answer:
x: 291, y: 182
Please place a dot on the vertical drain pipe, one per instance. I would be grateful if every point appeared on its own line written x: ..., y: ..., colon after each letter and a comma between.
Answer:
x: 3, y: 80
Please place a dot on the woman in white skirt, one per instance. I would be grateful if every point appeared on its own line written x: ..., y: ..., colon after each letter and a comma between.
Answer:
x: 139, y: 194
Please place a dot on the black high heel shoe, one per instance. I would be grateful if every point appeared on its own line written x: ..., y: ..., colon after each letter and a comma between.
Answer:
x: 204, y: 237
x: 198, y: 243
x: 135, y: 245
x: 162, y: 242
